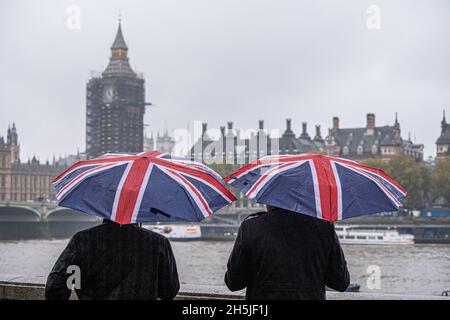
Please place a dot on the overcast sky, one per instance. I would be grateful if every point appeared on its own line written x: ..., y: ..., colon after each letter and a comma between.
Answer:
x: 228, y: 60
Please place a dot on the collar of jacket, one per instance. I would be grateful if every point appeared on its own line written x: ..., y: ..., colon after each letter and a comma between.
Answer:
x: 106, y: 221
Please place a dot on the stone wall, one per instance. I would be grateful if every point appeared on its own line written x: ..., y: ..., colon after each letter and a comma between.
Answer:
x: 33, y: 291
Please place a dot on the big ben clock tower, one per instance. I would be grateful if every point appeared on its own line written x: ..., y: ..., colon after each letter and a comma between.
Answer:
x: 115, y: 105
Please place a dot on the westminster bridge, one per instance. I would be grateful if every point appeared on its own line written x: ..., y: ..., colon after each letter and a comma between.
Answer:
x: 35, y: 211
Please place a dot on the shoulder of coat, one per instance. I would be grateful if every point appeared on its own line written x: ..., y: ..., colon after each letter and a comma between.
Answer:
x: 254, y: 215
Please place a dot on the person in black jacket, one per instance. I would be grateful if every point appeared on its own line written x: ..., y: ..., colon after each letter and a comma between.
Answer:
x: 116, y: 262
x: 286, y: 255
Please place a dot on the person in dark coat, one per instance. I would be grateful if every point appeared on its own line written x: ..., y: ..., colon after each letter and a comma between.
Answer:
x: 116, y: 262
x: 280, y: 254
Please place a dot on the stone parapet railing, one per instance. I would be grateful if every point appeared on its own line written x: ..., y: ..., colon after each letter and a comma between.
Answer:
x: 32, y: 291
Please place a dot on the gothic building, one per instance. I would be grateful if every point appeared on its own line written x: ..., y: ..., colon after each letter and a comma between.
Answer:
x: 163, y: 143
x: 22, y: 181
x: 371, y: 141
x: 443, y: 142
x: 115, y: 105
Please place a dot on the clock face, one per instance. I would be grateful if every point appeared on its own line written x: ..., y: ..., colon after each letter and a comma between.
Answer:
x: 108, y: 94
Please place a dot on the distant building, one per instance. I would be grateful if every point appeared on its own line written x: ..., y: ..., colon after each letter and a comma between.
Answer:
x: 371, y: 141
x: 443, y: 142
x: 163, y: 143
x: 232, y: 148
x: 115, y: 106
x: 24, y: 181
x: 289, y: 143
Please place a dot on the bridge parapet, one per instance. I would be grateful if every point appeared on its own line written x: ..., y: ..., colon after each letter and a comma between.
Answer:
x: 39, y: 208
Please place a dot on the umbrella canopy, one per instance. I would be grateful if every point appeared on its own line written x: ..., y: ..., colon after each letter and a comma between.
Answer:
x: 144, y: 187
x: 321, y: 186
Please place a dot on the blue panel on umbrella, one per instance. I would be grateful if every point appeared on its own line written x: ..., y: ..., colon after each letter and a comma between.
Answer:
x: 166, y: 195
x: 95, y: 195
x: 292, y: 190
x: 388, y: 186
x: 214, y: 199
x: 361, y: 196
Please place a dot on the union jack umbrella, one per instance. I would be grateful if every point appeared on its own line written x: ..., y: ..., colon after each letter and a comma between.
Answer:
x: 144, y: 187
x: 321, y: 186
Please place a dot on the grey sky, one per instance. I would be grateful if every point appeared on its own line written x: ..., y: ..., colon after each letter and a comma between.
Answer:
x: 220, y: 60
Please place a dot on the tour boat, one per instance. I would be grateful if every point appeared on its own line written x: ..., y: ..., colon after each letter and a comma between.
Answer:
x: 359, y: 235
x: 177, y: 232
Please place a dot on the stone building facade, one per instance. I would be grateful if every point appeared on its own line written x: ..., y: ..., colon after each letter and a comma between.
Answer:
x: 163, y: 143
x: 371, y: 141
x: 379, y: 142
x: 24, y: 181
x: 234, y: 148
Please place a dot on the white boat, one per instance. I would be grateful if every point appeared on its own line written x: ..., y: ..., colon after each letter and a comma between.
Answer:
x: 177, y: 232
x: 359, y: 235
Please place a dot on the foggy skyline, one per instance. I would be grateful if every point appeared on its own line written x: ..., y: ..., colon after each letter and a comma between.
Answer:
x: 219, y: 61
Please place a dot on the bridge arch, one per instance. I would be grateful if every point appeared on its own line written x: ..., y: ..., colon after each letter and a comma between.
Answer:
x: 66, y: 214
x: 19, y: 213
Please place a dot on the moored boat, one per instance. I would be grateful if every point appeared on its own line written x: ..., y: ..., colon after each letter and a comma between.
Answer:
x: 177, y: 232
x: 357, y: 235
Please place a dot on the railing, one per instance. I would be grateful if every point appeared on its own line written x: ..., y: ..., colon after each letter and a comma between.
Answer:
x: 32, y: 291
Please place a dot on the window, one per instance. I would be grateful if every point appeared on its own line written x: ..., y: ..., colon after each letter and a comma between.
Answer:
x: 360, y: 150
x: 345, y: 150
x: 374, y: 149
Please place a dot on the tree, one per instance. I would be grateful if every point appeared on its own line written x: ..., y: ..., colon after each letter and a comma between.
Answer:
x: 414, y: 177
x: 441, y: 180
x: 376, y: 163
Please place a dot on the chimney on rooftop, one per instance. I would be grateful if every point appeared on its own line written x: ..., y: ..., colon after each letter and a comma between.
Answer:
x: 370, y: 121
x: 335, y: 123
x: 288, y: 124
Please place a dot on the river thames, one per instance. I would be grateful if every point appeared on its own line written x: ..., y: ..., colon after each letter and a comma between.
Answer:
x: 405, y: 269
